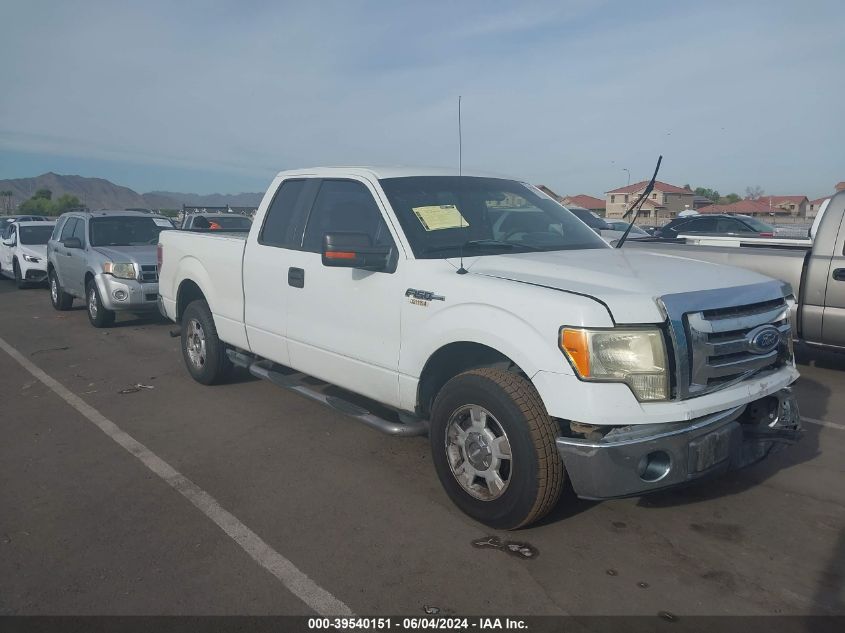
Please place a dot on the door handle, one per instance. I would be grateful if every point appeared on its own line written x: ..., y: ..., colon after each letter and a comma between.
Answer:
x: 839, y: 274
x: 296, y: 277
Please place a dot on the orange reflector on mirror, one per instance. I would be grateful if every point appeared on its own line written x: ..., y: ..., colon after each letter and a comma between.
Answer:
x: 340, y: 255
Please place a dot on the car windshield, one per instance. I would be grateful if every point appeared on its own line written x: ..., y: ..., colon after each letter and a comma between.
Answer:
x: 35, y: 234
x: 623, y: 226
x: 126, y: 231
x: 445, y: 215
x: 590, y: 219
x: 759, y: 226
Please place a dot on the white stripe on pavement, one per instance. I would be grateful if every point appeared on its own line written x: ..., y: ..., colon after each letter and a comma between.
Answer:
x: 290, y: 576
x: 830, y: 425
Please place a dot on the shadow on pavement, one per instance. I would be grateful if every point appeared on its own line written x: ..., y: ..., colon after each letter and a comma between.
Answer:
x: 830, y: 591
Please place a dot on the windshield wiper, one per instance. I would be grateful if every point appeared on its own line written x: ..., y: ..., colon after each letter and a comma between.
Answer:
x: 481, y: 244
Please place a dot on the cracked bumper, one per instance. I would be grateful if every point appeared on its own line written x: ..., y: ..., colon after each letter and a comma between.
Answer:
x: 638, y: 459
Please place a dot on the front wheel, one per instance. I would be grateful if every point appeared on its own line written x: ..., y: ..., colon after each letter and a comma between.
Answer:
x: 98, y: 314
x: 204, y: 353
x: 19, y: 282
x: 493, y: 447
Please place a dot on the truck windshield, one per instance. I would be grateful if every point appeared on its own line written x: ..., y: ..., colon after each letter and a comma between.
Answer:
x: 126, y: 230
x: 443, y: 215
x: 35, y: 234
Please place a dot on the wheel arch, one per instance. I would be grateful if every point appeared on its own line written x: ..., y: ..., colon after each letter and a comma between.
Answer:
x: 455, y: 358
x: 189, y: 290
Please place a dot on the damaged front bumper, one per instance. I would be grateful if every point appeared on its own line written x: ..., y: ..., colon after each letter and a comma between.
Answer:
x: 638, y: 459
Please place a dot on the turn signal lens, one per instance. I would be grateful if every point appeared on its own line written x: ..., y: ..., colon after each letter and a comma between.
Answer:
x: 574, y: 343
x: 340, y: 255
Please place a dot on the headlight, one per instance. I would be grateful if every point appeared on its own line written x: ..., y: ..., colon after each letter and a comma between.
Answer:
x: 121, y: 271
x: 636, y: 357
x: 31, y: 259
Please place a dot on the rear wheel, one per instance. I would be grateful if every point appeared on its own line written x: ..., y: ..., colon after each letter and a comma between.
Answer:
x: 58, y: 297
x: 98, y: 314
x: 204, y: 353
x: 493, y: 446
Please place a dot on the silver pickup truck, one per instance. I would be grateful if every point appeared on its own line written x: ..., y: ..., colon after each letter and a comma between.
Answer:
x: 816, y: 272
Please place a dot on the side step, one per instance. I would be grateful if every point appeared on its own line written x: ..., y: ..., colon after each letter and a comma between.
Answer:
x: 264, y: 369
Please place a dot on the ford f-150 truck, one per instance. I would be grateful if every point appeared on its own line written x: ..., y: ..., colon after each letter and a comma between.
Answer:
x: 482, y: 312
x: 815, y: 271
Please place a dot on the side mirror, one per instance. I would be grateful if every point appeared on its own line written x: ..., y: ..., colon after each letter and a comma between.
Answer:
x: 72, y: 242
x: 354, y: 250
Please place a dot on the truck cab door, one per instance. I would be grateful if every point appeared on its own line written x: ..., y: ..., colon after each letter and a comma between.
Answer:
x: 833, y: 321
x: 343, y: 323
x: 267, y: 259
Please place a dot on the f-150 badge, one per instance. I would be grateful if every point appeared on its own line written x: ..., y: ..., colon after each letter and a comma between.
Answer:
x: 422, y: 297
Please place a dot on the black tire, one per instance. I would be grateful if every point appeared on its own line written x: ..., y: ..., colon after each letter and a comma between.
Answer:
x: 98, y: 314
x: 535, y: 471
x: 19, y: 282
x: 58, y: 297
x: 203, y: 352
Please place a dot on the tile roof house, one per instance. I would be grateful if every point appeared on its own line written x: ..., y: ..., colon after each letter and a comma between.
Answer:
x: 813, y: 209
x: 666, y: 201
x: 795, y: 206
x: 745, y: 207
x: 596, y: 205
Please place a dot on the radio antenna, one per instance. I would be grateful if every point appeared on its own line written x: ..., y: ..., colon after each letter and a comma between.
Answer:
x: 461, y: 270
x: 460, y: 141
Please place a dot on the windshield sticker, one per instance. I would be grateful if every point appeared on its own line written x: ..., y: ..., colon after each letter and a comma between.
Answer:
x: 162, y: 222
x: 440, y: 216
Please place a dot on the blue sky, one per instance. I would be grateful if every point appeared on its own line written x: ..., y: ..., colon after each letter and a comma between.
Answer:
x: 219, y: 96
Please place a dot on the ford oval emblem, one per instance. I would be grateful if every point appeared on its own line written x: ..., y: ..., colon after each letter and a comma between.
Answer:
x: 763, y: 339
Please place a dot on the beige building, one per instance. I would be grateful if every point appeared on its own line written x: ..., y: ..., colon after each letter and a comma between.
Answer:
x: 664, y: 202
x: 796, y: 206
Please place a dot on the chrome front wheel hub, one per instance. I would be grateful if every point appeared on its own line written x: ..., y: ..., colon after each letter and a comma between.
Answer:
x: 479, y: 452
x: 195, y: 343
x: 54, y: 289
x: 92, y: 303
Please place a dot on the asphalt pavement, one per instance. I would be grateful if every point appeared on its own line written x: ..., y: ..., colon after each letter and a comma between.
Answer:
x: 271, y: 485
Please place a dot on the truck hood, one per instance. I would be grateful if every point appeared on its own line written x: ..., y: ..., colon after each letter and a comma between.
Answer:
x: 627, y: 282
x: 143, y: 255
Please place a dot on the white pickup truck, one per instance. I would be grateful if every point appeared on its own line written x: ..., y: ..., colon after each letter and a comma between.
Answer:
x: 478, y: 310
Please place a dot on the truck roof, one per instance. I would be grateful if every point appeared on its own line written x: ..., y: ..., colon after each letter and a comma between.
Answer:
x: 384, y: 172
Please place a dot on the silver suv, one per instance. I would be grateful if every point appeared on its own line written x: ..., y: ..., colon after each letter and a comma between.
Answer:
x: 107, y: 258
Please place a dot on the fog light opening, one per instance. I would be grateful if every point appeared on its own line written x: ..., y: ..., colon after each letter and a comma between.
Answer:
x: 654, y: 466
x: 120, y: 295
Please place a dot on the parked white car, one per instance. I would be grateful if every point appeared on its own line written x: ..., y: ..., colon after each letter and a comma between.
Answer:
x: 23, y: 252
x: 486, y: 314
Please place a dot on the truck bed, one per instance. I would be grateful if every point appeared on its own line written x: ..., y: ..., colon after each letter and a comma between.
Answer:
x: 786, y: 264
x: 215, y: 262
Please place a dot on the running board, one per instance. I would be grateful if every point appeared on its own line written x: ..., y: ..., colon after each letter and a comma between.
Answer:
x: 263, y: 369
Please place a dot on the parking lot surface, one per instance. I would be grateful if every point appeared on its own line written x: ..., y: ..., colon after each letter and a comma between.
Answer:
x: 86, y: 527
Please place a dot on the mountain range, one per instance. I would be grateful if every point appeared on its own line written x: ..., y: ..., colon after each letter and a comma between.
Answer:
x: 98, y: 193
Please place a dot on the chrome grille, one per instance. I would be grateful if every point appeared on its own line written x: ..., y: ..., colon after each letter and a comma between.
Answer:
x: 149, y: 274
x: 722, y: 343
